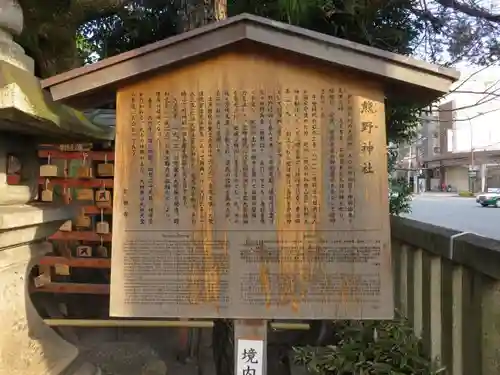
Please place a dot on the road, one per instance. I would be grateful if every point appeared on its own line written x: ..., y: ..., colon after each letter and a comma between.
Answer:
x: 462, y: 214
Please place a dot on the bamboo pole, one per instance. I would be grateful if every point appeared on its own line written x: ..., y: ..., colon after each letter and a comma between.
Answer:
x: 159, y: 323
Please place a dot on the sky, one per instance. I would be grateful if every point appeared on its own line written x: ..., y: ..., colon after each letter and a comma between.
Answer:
x: 477, y: 120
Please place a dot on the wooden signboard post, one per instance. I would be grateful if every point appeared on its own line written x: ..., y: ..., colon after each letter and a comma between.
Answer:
x: 252, y: 184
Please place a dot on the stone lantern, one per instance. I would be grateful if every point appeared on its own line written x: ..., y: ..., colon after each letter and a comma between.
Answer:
x: 28, y: 117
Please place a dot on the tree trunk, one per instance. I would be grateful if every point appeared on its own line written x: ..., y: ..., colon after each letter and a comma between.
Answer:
x: 196, y: 13
x: 220, y: 7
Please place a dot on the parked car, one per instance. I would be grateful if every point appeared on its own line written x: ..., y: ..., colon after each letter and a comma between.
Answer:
x: 491, y: 198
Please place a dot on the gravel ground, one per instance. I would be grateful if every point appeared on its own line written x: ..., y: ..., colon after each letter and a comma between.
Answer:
x: 140, y: 352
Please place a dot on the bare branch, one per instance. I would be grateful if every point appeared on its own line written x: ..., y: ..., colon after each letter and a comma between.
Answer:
x: 473, y: 11
x: 470, y: 118
x: 471, y: 76
x: 489, y: 96
x: 479, y: 93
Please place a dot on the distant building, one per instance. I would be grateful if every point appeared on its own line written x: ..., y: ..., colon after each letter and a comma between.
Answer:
x: 462, y: 136
x: 429, y: 135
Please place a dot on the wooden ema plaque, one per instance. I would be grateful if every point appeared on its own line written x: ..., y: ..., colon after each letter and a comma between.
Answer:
x: 260, y: 194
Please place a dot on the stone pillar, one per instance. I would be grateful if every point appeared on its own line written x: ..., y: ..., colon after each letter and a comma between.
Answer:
x: 27, y: 345
x: 11, y: 23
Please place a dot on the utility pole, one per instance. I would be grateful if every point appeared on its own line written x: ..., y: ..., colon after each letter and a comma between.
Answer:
x: 471, y: 171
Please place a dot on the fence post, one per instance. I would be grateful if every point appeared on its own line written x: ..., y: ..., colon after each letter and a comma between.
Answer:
x: 250, y: 341
x: 490, y: 319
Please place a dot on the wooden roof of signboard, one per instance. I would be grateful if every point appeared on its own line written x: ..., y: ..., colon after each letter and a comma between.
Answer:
x: 403, y: 76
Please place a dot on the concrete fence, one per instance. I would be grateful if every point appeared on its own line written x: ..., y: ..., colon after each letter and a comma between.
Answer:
x: 448, y: 285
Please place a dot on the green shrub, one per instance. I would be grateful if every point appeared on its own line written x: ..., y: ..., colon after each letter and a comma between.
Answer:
x: 369, y: 348
x: 465, y: 194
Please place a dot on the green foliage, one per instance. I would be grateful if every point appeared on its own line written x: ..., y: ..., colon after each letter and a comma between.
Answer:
x: 369, y: 348
x: 383, y: 24
x: 466, y: 194
x: 140, y: 23
x: 400, y: 196
x: 402, y: 120
x: 400, y: 192
x: 442, y: 31
x: 50, y: 35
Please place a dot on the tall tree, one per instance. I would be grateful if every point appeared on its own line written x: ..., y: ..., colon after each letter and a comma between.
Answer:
x: 51, y: 30
x: 450, y: 31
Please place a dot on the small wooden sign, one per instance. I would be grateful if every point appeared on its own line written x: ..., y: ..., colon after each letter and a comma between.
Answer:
x: 42, y: 280
x: 106, y: 170
x: 84, y: 251
x: 76, y: 147
x: 48, y: 170
x: 67, y: 226
x: 47, y: 195
x: 250, y: 357
x: 82, y: 221
x: 103, y: 199
x: 62, y: 269
x: 84, y: 171
x: 102, y: 227
x: 44, y: 276
x: 85, y: 194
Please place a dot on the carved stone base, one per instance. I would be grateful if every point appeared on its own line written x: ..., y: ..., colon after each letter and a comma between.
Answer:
x: 27, y: 345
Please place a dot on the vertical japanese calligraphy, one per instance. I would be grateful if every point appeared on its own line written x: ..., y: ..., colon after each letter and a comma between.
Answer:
x: 350, y: 168
x: 250, y: 360
x: 253, y: 197
x: 236, y: 153
x: 168, y: 114
x: 150, y: 163
x: 142, y: 158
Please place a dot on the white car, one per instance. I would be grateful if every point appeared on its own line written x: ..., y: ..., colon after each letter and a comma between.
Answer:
x: 491, y: 198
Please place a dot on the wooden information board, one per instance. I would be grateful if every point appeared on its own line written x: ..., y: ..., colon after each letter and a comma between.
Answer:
x: 248, y: 187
